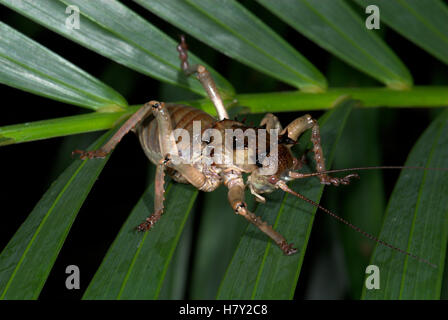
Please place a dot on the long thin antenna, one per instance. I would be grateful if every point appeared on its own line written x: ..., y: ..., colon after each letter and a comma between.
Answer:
x: 298, y: 175
x: 282, y: 185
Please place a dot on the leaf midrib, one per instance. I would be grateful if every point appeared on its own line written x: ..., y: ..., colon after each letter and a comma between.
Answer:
x: 425, y: 173
x: 266, y: 251
x: 370, y: 57
x: 137, y: 253
x: 106, y: 28
x: 424, y: 21
x: 303, y: 77
x: 64, y: 84
x: 31, y: 242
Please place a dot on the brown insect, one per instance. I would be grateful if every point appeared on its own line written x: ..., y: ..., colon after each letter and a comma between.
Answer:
x: 155, y: 121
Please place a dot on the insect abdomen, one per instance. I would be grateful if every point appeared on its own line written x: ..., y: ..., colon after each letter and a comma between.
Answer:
x: 181, y: 117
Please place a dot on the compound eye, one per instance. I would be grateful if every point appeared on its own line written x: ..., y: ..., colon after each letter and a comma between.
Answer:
x: 273, y: 179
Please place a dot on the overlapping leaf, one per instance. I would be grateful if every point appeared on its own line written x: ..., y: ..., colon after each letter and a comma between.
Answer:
x: 422, y: 22
x: 230, y: 28
x: 136, y: 263
x: 334, y: 26
x: 112, y: 30
x: 29, y: 66
x: 416, y: 221
x: 59, y: 127
x: 359, y: 145
x: 26, y: 261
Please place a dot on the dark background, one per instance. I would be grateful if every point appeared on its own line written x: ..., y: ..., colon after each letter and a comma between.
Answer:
x: 28, y: 169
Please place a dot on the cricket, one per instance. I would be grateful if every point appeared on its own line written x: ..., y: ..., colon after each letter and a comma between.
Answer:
x: 155, y: 122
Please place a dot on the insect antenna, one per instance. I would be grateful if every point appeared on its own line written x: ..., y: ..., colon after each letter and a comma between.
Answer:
x: 298, y: 175
x: 282, y: 185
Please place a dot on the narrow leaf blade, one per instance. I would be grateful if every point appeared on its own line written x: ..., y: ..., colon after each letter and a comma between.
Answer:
x: 116, y: 32
x: 45, y: 129
x: 416, y: 220
x: 334, y: 26
x: 136, y: 264
x: 422, y: 22
x: 27, y: 65
x: 228, y: 27
x: 26, y: 261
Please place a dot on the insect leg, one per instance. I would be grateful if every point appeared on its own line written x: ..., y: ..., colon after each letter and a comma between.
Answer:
x: 138, y: 116
x: 271, y: 122
x: 204, y: 77
x: 298, y: 126
x: 320, y: 161
x: 236, y: 199
x: 158, y: 199
x: 295, y: 129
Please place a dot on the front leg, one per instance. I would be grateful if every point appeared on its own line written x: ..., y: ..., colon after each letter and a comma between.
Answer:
x: 294, y: 130
x: 234, y: 182
x: 320, y: 161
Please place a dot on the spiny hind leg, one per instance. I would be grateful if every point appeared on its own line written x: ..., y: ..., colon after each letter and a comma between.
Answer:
x: 204, y: 77
x: 135, y: 119
x: 235, y: 185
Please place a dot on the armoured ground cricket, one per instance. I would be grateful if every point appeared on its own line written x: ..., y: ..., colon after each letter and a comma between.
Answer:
x: 155, y: 122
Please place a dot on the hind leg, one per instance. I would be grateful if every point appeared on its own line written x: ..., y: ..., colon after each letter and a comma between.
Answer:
x: 204, y: 77
x: 159, y: 192
x: 135, y: 119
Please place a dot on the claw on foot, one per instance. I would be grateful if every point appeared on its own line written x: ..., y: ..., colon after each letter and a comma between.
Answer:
x: 287, y: 248
x: 145, y: 226
x: 83, y: 155
x: 149, y: 222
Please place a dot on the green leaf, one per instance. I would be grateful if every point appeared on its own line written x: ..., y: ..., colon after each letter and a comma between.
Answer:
x: 422, y: 22
x: 334, y: 26
x: 176, y: 277
x: 419, y: 96
x: 236, y: 32
x: 114, y: 31
x: 26, y: 261
x: 259, y: 270
x: 27, y: 65
x: 416, y: 220
x: 136, y: 264
x: 60, y: 127
x: 218, y: 235
x: 370, y: 97
x: 358, y: 146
